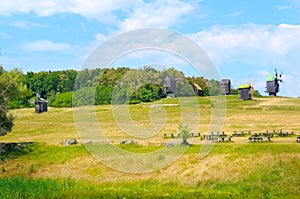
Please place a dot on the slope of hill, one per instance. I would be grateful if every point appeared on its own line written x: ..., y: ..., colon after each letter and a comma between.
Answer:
x: 257, y: 115
x: 239, y: 169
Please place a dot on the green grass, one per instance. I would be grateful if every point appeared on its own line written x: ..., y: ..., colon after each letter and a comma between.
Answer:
x: 257, y: 170
x: 43, y: 168
x: 136, y: 148
x: 19, y: 187
x: 50, y: 188
x: 281, y: 180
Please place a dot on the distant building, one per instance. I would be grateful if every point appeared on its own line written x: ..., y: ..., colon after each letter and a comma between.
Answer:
x: 272, y: 85
x: 41, y: 105
x: 245, y: 92
x: 197, y: 89
x: 225, y: 86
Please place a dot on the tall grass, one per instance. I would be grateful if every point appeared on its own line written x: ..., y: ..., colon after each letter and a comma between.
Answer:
x: 277, y: 182
x: 20, y: 187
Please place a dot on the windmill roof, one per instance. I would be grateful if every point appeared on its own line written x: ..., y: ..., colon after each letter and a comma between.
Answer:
x: 244, y: 86
x: 270, y: 78
x: 197, y: 86
x: 225, y: 81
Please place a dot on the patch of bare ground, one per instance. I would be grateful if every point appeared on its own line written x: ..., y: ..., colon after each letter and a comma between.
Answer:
x: 271, y: 101
x: 190, y: 169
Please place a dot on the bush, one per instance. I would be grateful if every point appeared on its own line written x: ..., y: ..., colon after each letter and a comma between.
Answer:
x: 84, y: 96
x: 149, y: 93
x: 185, y: 132
x: 256, y: 93
x: 62, y: 100
x: 103, y: 95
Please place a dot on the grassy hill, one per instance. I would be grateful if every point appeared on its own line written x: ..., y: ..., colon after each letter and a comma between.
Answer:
x: 43, y: 168
x: 257, y: 115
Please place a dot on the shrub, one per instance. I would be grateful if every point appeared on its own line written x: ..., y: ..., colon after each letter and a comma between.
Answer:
x: 62, y: 100
x: 185, y: 132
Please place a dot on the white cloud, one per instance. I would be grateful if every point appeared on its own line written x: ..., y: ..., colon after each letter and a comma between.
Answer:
x: 291, y: 84
x: 46, y: 45
x: 85, y: 51
x: 4, y: 35
x: 157, y: 14
x: 235, y: 14
x: 265, y: 44
x: 289, y: 5
x: 25, y: 24
x: 263, y: 72
x: 126, y: 14
x: 87, y: 8
x: 286, y: 7
x: 150, y: 56
x: 100, y: 38
x: 255, y: 48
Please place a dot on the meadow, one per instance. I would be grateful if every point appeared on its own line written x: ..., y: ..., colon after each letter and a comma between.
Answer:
x: 40, y: 167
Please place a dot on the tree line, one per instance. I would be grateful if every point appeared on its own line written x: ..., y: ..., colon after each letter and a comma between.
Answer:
x: 107, y: 85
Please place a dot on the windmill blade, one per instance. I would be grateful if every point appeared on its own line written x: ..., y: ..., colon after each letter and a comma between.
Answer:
x: 281, y: 73
x: 250, y: 81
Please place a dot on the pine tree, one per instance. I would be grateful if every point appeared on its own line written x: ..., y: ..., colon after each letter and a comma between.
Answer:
x: 6, y: 121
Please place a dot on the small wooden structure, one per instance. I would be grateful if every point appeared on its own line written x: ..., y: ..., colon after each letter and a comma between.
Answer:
x: 225, y: 86
x: 241, y: 133
x: 41, y: 105
x: 170, y: 86
x: 245, y: 92
x: 217, y: 137
x: 259, y: 139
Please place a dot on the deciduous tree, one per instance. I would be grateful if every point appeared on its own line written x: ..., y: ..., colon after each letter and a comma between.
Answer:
x: 6, y: 121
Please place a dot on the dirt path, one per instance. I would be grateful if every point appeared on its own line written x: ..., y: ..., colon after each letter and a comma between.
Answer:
x: 269, y: 102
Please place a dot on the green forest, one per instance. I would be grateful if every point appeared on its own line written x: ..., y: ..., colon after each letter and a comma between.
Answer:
x: 109, y: 85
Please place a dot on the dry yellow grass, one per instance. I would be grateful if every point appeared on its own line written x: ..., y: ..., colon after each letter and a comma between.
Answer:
x: 258, y: 115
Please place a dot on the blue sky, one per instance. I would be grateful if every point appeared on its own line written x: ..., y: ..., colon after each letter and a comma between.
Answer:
x: 245, y: 39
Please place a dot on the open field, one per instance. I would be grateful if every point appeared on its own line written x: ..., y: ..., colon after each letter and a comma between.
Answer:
x: 46, y: 169
x: 258, y: 115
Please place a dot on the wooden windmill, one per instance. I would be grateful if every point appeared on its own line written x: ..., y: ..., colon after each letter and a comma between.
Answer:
x: 170, y: 86
x: 225, y: 86
x: 246, y: 90
x: 272, y: 83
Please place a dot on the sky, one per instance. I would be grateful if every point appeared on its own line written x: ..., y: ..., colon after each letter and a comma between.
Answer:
x: 246, y: 40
